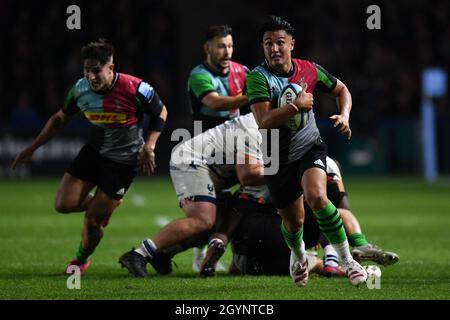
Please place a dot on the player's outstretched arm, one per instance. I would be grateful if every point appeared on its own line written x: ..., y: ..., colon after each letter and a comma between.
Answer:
x: 147, y: 154
x: 344, y: 102
x: 54, y: 125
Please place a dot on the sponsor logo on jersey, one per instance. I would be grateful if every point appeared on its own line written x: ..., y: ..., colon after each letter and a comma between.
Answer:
x: 106, y: 117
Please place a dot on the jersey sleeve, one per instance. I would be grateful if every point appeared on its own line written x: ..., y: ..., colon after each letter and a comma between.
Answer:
x: 70, y: 105
x: 325, y: 81
x: 148, y: 99
x: 257, y: 88
x: 200, y: 84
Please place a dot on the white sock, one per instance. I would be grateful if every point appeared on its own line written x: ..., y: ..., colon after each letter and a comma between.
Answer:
x: 343, y: 251
x: 215, y: 240
x: 141, y: 251
x: 331, y: 257
x: 300, y: 253
x: 147, y: 249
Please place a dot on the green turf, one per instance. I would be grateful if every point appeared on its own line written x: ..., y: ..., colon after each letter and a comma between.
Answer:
x: 404, y: 215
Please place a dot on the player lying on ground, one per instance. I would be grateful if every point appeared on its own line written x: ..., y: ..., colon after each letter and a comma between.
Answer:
x: 257, y: 242
x: 114, y: 103
x: 199, y: 172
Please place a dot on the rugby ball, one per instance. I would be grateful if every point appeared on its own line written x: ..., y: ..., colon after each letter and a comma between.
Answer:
x: 287, y: 95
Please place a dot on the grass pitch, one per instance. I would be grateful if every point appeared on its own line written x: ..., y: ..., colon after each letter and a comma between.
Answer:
x: 404, y: 215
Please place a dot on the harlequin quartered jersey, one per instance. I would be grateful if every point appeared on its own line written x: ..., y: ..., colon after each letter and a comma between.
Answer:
x: 263, y: 84
x: 115, y: 114
x: 204, y: 80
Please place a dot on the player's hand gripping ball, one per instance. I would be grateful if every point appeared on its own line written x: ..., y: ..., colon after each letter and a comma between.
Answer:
x: 288, y: 95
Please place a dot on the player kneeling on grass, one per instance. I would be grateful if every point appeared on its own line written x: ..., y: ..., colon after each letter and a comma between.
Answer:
x: 199, y: 173
x: 255, y: 233
x: 114, y: 103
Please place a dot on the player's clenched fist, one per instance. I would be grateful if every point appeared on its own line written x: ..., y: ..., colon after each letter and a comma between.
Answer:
x: 304, y: 100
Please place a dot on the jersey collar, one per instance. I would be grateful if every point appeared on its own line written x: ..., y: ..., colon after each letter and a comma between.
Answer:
x: 284, y: 75
x: 219, y: 74
x: 116, y: 77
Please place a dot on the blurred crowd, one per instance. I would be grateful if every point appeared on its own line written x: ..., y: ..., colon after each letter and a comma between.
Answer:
x: 155, y: 40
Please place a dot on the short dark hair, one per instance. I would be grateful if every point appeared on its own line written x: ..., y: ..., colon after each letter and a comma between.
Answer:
x: 274, y: 24
x: 218, y: 31
x: 101, y: 50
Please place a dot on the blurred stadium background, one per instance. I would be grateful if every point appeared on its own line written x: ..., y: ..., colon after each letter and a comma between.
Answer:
x: 161, y: 41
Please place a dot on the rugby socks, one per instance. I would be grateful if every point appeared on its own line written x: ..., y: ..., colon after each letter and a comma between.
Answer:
x: 330, y: 224
x: 214, y: 240
x: 82, y: 254
x: 330, y: 256
x: 295, y: 242
x: 147, y: 249
x: 357, y: 240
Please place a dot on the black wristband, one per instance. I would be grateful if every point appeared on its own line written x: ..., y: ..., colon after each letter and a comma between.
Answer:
x: 156, y: 124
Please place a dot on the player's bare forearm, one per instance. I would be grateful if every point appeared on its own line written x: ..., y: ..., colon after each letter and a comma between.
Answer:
x: 153, y: 136
x: 268, y: 118
x: 250, y: 174
x: 53, y: 126
x: 344, y: 102
x: 343, y: 98
x: 147, y: 157
x: 223, y: 103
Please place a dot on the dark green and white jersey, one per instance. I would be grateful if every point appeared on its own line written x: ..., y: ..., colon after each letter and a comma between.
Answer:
x: 265, y: 85
x: 204, y: 80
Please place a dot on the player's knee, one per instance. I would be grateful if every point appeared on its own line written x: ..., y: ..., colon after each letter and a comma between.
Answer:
x: 62, y: 207
x: 316, y: 200
x: 299, y: 222
x: 205, y: 223
x: 293, y: 225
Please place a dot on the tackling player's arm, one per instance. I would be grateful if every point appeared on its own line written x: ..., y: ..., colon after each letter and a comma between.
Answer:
x: 266, y: 116
x: 203, y: 89
x: 249, y: 165
x: 330, y: 84
x: 250, y: 174
x: 154, y: 107
x: 53, y: 126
